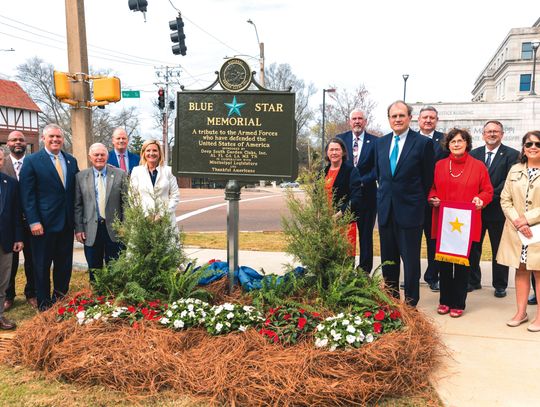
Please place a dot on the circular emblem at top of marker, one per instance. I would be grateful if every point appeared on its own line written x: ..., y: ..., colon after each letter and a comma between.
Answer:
x: 235, y: 75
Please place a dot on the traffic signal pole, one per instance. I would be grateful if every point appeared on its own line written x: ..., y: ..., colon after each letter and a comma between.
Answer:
x: 81, y: 115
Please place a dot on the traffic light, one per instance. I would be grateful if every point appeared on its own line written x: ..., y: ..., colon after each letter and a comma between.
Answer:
x: 138, y: 5
x: 171, y: 104
x: 62, y: 85
x: 178, y: 36
x: 161, y: 98
x: 107, y: 89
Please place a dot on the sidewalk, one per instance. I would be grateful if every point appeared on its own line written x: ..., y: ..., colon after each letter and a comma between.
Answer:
x: 490, y: 364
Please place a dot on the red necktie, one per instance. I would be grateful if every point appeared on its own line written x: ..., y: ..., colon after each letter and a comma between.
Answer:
x: 122, y: 163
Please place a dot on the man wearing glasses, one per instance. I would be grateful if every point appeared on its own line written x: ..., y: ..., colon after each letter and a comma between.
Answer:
x: 498, y: 159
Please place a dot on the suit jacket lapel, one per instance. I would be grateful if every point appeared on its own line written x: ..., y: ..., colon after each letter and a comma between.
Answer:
x: 409, y: 143
x: 496, y: 159
x: 3, y: 193
x: 49, y: 166
x: 110, y: 181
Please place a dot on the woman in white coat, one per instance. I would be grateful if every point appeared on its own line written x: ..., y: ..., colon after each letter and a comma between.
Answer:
x: 153, y: 180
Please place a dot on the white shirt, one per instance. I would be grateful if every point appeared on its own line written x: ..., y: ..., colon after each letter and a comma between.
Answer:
x: 360, y: 143
x: 494, y: 151
x: 402, y: 138
x: 14, y: 161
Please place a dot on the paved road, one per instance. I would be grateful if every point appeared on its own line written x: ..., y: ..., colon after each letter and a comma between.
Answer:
x: 205, y: 210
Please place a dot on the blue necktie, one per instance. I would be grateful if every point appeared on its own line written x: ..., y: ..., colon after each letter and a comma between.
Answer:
x: 394, y: 155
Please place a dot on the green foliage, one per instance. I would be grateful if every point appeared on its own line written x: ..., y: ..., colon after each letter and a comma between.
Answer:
x: 184, y: 284
x: 149, y: 266
x: 277, y: 291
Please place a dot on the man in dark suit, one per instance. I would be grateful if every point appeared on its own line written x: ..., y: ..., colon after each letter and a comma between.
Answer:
x: 404, y: 167
x: 47, y: 184
x: 120, y: 156
x: 11, y: 234
x: 99, y: 193
x: 361, y: 154
x: 498, y: 158
x: 427, y: 122
x: 12, y: 167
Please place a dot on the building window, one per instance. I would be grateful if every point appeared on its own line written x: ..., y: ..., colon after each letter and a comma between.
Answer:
x: 526, y: 50
x: 525, y: 82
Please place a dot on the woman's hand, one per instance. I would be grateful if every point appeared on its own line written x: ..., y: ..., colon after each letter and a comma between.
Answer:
x: 519, y: 222
x: 478, y: 202
x: 525, y: 230
x: 435, y: 202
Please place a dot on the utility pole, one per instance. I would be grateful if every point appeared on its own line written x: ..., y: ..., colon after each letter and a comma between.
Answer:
x: 166, y: 73
x: 81, y: 115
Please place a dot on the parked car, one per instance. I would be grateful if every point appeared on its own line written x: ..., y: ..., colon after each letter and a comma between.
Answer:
x: 291, y: 184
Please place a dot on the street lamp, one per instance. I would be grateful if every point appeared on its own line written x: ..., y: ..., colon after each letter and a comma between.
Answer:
x: 535, y: 45
x: 331, y: 90
x: 405, y: 77
x: 261, y: 53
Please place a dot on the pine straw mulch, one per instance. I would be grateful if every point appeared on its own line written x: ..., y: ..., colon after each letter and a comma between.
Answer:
x: 236, y: 369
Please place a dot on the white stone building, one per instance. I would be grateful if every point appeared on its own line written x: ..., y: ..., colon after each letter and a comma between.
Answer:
x: 501, y: 92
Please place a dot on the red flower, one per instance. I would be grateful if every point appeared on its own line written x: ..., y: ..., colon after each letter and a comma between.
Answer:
x: 276, y: 339
x: 379, y: 316
x: 80, y: 308
x: 286, y: 317
x: 71, y: 309
x: 301, y: 323
x: 301, y: 311
x: 377, y: 327
x: 315, y: 315
x: 101, y: 299
x: 131, y: 309
x: 367, y: 314
x: 83, y: 302
x: 135, y: 325
x: 272, y: 311
x: 395, y: 315
x: 213, y: 261
x: 267, y: 322
x: 145, y: 311
x: 72, y: 302
x: 61, y: 310
x: 154, y: 304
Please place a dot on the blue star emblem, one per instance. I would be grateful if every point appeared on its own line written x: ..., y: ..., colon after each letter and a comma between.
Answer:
x: 234, y: 107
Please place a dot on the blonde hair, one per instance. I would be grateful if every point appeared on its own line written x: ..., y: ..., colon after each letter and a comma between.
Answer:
x: 145, y: 146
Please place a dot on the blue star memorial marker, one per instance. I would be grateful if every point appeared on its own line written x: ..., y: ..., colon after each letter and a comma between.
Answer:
x: 234, y: 107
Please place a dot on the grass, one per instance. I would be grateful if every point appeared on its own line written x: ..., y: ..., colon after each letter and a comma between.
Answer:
x: 275, y: 242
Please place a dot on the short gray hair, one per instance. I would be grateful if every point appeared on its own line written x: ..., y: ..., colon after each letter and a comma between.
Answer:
x: 357, y: 110
x: 428, y: 109
x: 95, y: 146
x: 51, y: 126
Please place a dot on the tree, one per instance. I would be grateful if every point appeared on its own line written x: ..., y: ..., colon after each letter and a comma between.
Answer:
x: 36, y: 78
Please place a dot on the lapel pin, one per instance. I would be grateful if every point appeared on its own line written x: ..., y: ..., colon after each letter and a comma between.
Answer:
x: 368, y: 141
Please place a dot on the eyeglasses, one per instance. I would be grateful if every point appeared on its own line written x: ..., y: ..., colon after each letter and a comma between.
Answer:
x: 529, y: 144
x: 458, y: 141
x: 492, y: 132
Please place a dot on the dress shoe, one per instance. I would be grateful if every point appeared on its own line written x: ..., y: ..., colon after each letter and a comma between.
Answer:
x: 443, y: 309
x: 435, y: 287
x: 500, y: 293
x: 472, y: 287
x: 532, y: 300
x: 6, y: 323
x: 532, y: 328
x: 513, y: 323
x: 32, y: 301
x: 456, y: 313
x: 8, y: 304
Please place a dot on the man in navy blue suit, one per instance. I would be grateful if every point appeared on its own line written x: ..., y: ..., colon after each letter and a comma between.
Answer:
x: 427, y: 122
x: 47, y: 184
x: 120, y: 156
x: 404, y: 167
x: 11, y: 234
x: 361, y: 154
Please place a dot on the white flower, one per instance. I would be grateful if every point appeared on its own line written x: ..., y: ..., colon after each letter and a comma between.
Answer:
x: 178, y: 324
x: 242, y: 328
x: 361, y: 336
x: 337, y: 337
x: 320, y: 327
x: 164, y: 321
x: 333, y: 332
x: 369, y: 338
x: 350, y: 339
x: 80, y: 315
x: 321, y: 343
x: 351, y: 329
x: 190, y: 307
x: 219, y: 327
x: 227, y: 324
x: 333, y: 348
x: 358, y: 321
x: 97, y: 316
x: 247, y: 308
x: 345, y: 322
x: 203, y: 314
x: 340, y: 315
x: 191, y: 314
x: 228, y: 306
x: 183, y: 314
x: 218, y: 309
x: 230, y: 315
x: 174, y: 305
x: 169, y: 313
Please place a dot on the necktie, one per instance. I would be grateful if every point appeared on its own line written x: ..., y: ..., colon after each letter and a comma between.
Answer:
x: 394, y: 155
x: 101, y: 195
x: 355, y: 151
x: 59, y: 170
x: 488, y: 161
x: 123, y: 163
x: 17, y: 168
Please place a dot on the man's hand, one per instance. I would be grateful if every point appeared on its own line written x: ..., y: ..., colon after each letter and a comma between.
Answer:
x: 80, y: 236
x: 18, y: 246
x: 435, y: 202
x: 37, y: 229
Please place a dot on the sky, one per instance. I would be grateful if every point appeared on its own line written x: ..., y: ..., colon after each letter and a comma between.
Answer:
x: 443, y: 46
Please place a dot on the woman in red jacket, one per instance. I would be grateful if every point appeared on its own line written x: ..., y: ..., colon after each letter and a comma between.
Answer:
x: 458, y: 178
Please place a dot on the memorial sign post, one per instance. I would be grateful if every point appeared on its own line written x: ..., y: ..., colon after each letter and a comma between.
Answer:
x: 243, y: 133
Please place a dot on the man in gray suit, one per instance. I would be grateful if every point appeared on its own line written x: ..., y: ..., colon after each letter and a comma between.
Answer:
x: 99, y: 193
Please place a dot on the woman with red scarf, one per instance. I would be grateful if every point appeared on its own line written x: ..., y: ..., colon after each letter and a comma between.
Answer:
x: 342, y: 184
x: 458, y: 178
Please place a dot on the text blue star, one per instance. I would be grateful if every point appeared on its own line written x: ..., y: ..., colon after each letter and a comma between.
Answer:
x: 234, y: 107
